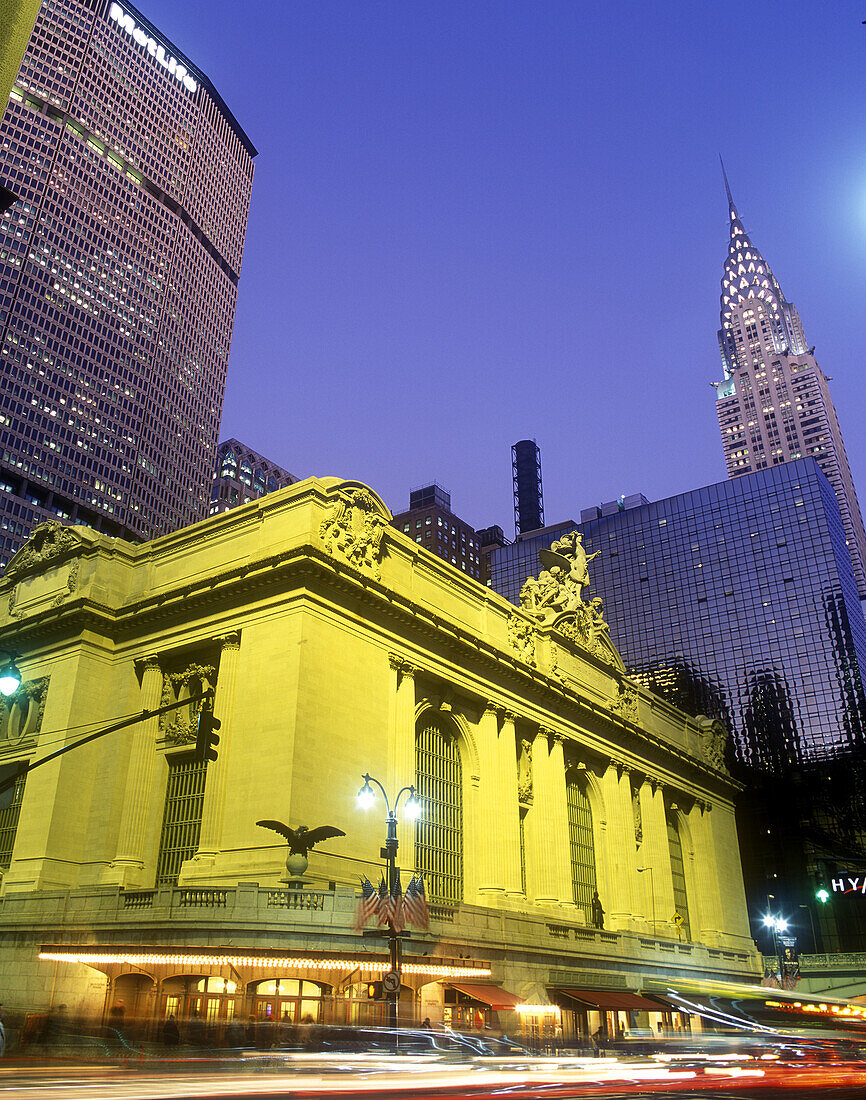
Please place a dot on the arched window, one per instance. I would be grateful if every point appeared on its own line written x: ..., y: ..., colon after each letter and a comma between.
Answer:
x: 439, y: 833
x: 678, y: 873
x: 583, y: 880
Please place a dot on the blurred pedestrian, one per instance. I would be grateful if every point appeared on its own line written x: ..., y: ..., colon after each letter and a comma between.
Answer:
x: 265, y: 1032
x: 54, y: 1025
x: 197, y: 1030
x: 170, y: 1032
x: 235, y: 1034
x: 306, y: 1031
x: 427, y: 1026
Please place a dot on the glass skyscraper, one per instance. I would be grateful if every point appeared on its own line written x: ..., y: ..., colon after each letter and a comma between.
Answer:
x: 735, y: 601
x: 739, y: 601
x: 119, y: 267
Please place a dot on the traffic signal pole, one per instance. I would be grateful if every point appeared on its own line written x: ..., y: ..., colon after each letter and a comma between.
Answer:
x: 25, y: 766
x: 395, y: 947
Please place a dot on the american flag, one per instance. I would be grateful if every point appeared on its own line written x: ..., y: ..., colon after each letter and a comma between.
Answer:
x: 397, y: 917
x: 384, y: 902
x: 368, y: 905
x: 415, y: 903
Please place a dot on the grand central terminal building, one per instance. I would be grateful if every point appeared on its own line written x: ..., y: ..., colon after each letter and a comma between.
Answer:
x: 577, y: 836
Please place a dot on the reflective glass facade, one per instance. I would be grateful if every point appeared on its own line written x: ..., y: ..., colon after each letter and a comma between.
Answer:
x: 119, y: 266
x: 737, y: 600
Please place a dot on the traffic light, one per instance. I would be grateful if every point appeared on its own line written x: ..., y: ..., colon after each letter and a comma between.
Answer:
x: 822, y: 894
x: 375, y: 991
x: 206, y: 740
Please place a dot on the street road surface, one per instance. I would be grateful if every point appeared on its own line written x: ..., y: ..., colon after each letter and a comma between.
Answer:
x: 354, y: 1080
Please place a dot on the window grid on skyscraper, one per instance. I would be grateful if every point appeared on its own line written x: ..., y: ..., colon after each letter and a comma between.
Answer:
x: 118, y: 278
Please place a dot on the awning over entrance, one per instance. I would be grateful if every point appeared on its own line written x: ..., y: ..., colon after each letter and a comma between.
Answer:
x: 612, y: 999
x: 490, y: 995
x: 199, y: 960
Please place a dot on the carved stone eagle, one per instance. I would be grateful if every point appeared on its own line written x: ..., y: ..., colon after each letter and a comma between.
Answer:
x: 302, y: 839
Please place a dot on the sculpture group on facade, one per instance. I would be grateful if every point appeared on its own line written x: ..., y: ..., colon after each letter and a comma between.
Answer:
x: 559, y: 586
x: 356, y: 527
x: 555, y: 598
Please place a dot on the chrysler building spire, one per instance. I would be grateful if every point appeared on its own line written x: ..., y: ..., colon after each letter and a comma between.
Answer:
x: 774, y: 403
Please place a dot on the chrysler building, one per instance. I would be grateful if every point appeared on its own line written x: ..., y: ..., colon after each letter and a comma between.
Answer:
x: 774, y: 403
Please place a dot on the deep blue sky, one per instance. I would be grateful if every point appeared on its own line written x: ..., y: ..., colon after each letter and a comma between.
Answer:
x: 475, y: 222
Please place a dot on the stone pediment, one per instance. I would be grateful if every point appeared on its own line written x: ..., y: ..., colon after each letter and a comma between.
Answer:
x: 49, y: 543
x: 44, y: 572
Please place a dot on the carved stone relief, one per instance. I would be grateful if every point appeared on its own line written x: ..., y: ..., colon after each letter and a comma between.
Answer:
x: 48, y: 541
x: 21, y: 713
x: 179, y: 727
x: 524, y: 773
x: 638, y: 818
x: 714, y: 740
x: 355, y: 529
x: 626, y: 701
x: 522, y: 638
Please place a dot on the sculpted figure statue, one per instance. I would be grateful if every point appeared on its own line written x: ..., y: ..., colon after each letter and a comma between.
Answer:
x: 598, y: 628
x: 570, y: 546
x: 530, y: 594
x: 561, y: 582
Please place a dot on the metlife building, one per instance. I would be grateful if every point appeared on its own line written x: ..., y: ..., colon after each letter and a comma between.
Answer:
x: 119, y: 266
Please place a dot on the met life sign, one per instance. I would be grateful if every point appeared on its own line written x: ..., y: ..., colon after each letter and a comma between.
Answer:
x: 153, y: 47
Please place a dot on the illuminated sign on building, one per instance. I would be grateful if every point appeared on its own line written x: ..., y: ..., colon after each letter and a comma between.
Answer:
x: 849, y: 885
x: 153, y: 47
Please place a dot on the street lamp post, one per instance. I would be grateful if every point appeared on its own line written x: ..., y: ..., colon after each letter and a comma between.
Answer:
x: 10, y: 677
x: 776, y: 924
x: 640, y: 871
x: 808, y: 909
x: 391, y: 981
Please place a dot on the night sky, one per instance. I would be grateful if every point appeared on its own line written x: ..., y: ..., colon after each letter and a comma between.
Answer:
x: 475, y: 222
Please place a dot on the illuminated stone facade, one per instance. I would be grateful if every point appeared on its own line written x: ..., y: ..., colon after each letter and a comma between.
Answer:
x: 337, y: 646
x: 119, y: 266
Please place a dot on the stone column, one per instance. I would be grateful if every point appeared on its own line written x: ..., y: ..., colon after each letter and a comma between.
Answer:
x: 127, y: 867
x: 216, y: 781
x: 708, y: 920
x: 560, y: 837
x: 395, y: 663
x: 510, y: 821
x: 404, y: 728
x: 625, y: 899
x: 658, y: 883
x: 541, y: 865
x: 491, y: 869
x: 629, y: 846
